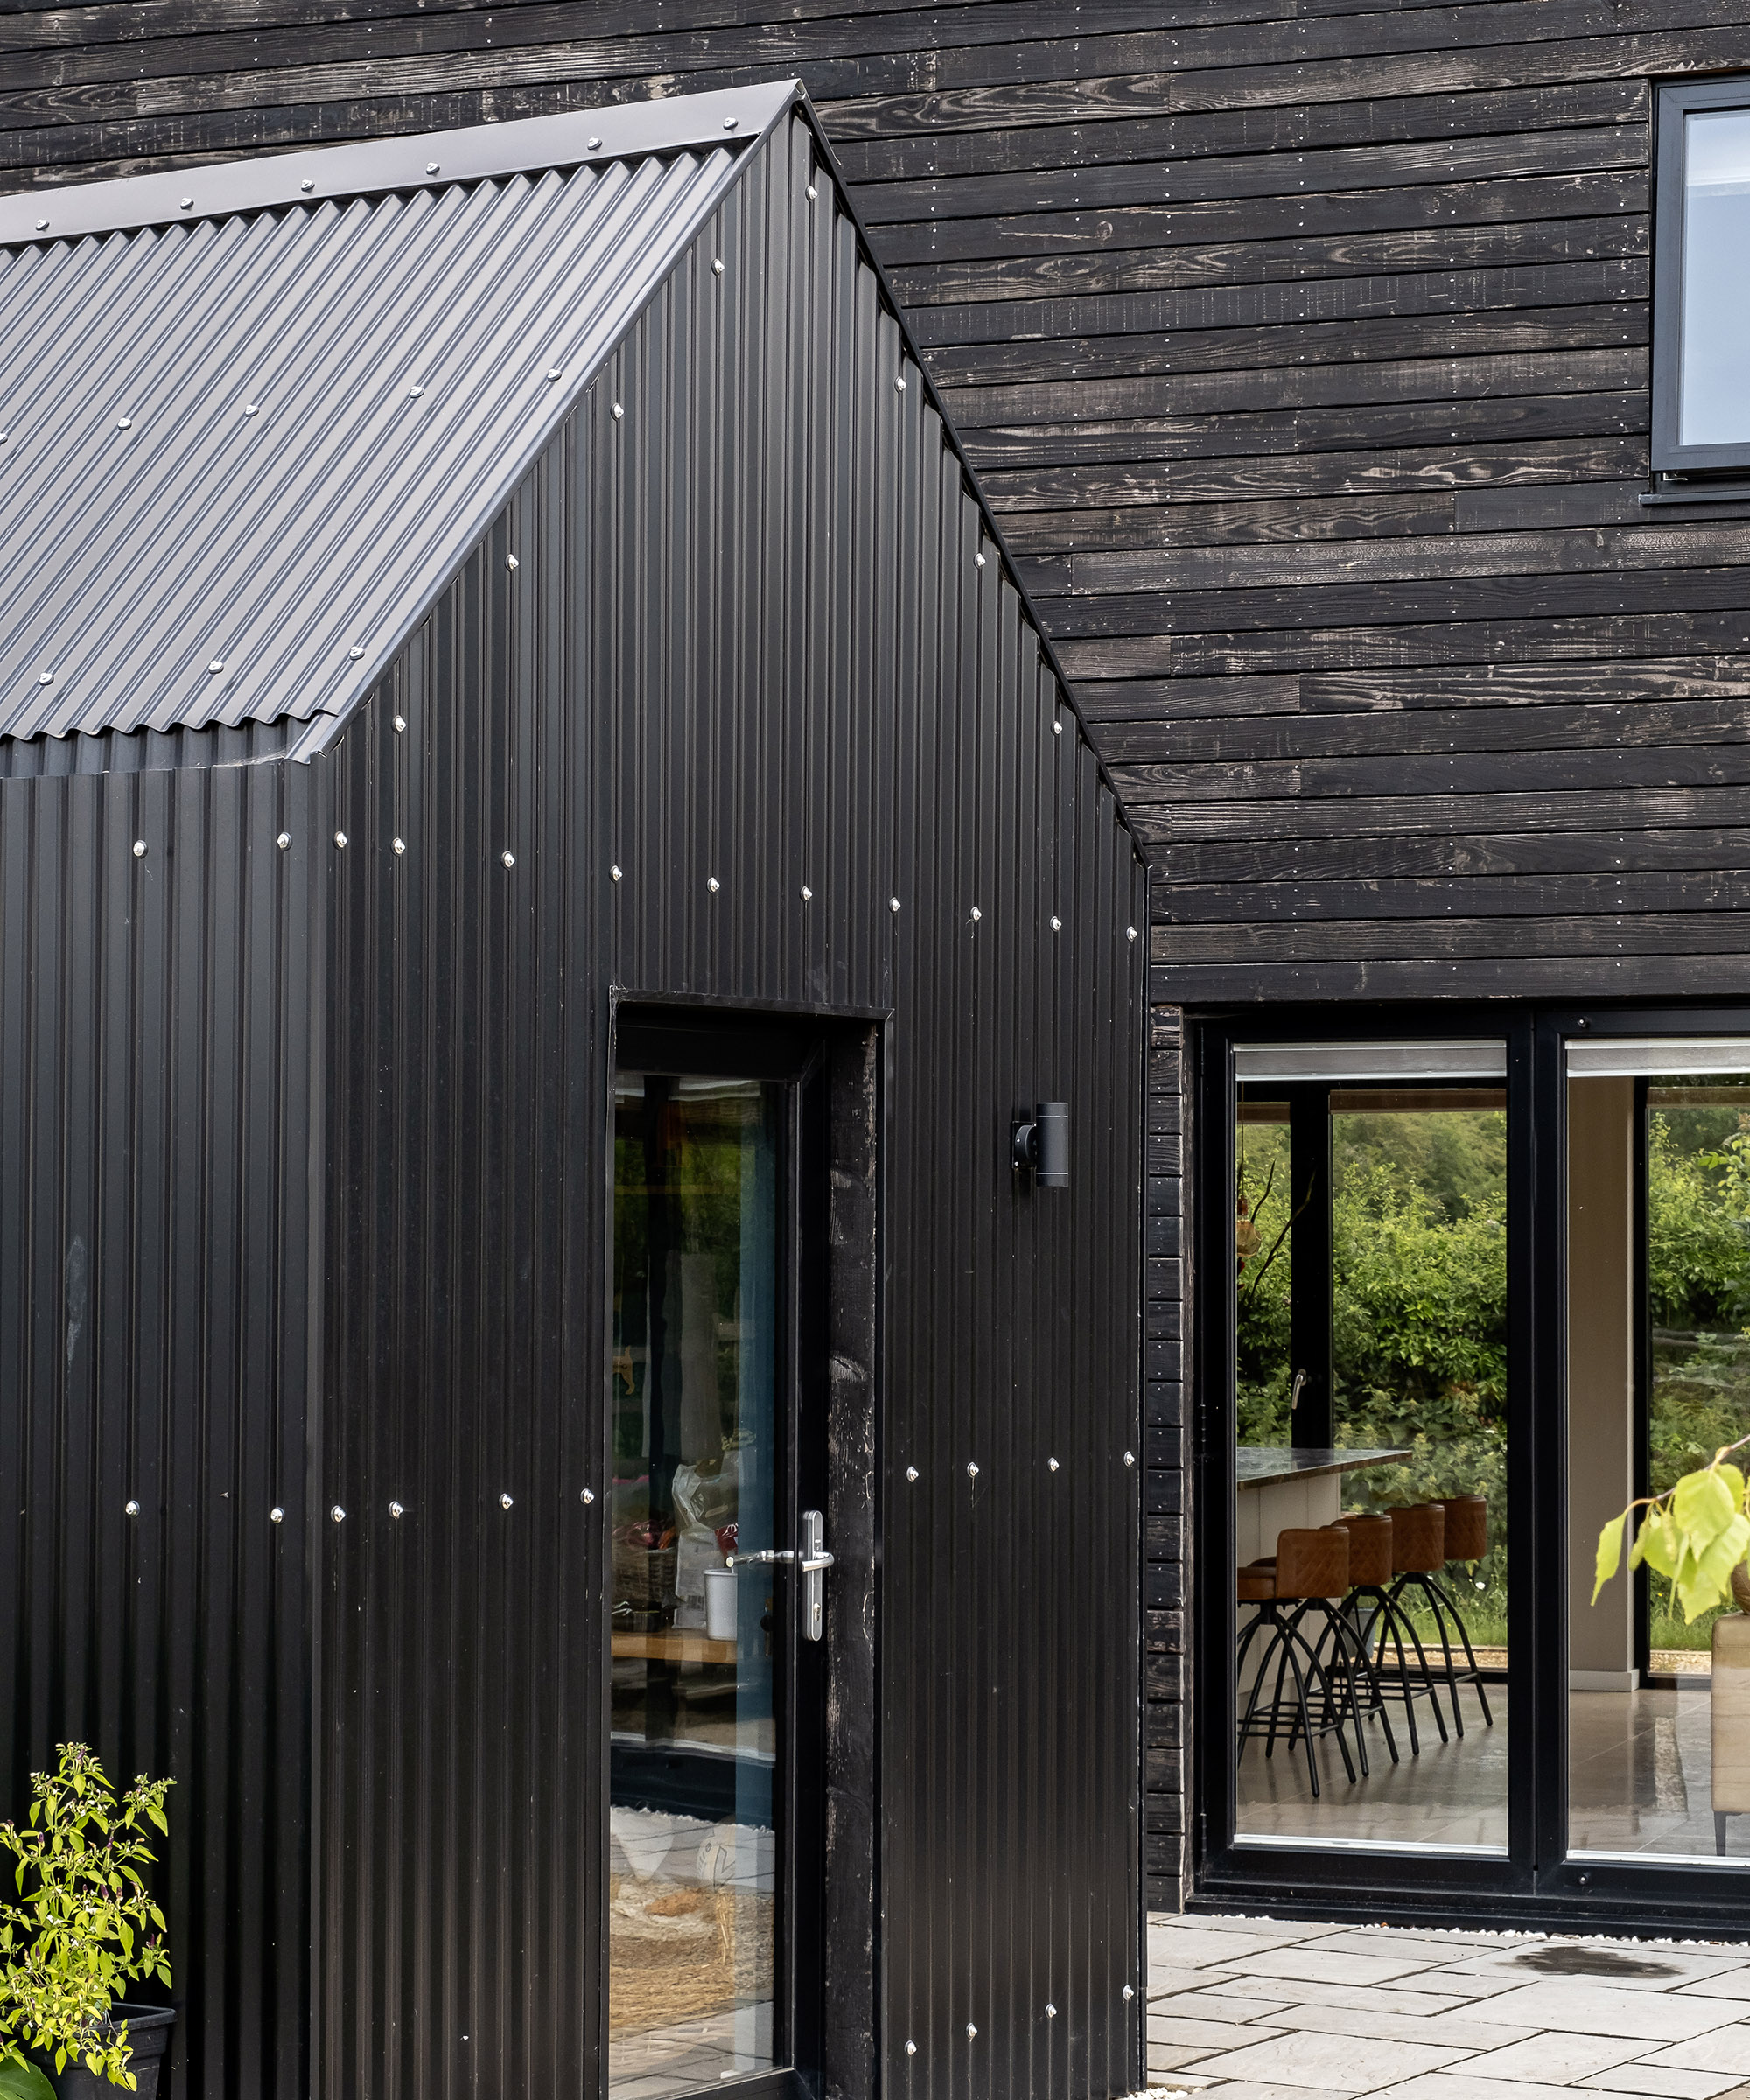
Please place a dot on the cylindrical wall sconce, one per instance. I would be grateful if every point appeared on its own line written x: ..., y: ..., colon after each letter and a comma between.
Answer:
x: 1042, y: 1147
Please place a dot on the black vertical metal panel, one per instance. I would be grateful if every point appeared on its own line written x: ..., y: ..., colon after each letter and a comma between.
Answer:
x: 749, y: 647
x: 154, y: 1027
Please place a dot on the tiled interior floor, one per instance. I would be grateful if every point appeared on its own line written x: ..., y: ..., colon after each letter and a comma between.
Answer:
x: 1257, y: 2009
x: 1639, y: 1767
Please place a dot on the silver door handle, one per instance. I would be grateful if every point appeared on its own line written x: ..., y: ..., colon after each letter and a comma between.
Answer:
x: 811, y: 1564
x: 813, y: 1561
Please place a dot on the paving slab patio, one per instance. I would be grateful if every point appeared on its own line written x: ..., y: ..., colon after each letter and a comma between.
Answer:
x: 1250, y: 2008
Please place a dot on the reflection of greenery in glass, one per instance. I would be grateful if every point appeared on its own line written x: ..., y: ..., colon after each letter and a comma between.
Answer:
x: 1420, y: 1319
x: 1699, y: 1291
x: 1419, y: 1256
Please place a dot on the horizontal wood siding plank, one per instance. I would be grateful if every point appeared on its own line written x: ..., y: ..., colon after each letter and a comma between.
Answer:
x: 1518, y: 895
x: 1542, y: 808
x: 1652, y: 679
x: 1263, y: 867
x: 1317, y: 474
x: 1325, y: 215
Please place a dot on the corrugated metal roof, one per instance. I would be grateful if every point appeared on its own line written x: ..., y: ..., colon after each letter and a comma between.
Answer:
x: 242, y: 451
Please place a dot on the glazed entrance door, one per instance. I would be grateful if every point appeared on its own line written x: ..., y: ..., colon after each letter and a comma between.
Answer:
x: 718, y: 1567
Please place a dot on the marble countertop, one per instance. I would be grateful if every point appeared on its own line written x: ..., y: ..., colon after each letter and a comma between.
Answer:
x: 1256, y: 1463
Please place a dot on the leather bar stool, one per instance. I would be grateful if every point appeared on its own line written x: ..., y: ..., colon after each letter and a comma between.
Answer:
x: 1310, y: 1698
x: 1381, y: 1626
x: 1420, y: 1552
x: 1466, y: 1540
x: 1369, y: 1570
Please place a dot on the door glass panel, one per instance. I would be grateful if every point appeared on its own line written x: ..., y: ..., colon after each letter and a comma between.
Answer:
x: 1658, y: 1380
x: 696, y: 1746
x: 1370, y: 1372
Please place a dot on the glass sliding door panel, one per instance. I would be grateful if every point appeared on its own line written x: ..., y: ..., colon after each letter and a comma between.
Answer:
x: 1371, y: 1672
x: 1658, y: 1380
x: 697, y: 1737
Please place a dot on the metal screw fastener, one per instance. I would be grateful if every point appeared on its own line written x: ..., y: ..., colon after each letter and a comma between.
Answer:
x: 911, y: 2046
x: 337, y: 1515
x: 613, y: 875
x: 283, y: 841
x: 618, y: 411
x: 130, y: 1509
x: 730, y: 122
x: 1052, y: 1464
x: 124, y: 422
x: 1129, y: 1458
x: 899, y: 384
x: 188, y: 204
x: 971, y: 2032
x: 971, y: 1469
x: 275, y: 1515
x: 339, y: 838
x: 716, y: 266
x: 44, y: 677
x: 978, y: 561
x: 400, y: 723
x: 504, y: 1501
x: 217, y: 664
x: 593, y: 143
x: 139, y: 849
x: 1129, y: 1994
x: 414, y: 392
x: 509, y: 859
x: 808, y: 894
x: 1056, y: 925
x: 1057, y: 729
x: 587, y: 1496
x: 398, y: 844
x: 252, y: 407
x: 307, y: 185
x: 42, y: 226
x: 892, y: 904
x: 1130, y: 933
x: 976, y: 914
x: 511, y: 562
x: 712, y: 885
x: 811, y: 192
x: 1051, y: 2012
x: 553, y: 373
x: 431, y: 167
x: 911, y: 1473
x: 395, y: 1509
x: 355, y: 651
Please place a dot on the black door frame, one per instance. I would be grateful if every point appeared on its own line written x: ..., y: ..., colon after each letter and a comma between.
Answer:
x: 824, y: 1988
x: 1533, y: 1883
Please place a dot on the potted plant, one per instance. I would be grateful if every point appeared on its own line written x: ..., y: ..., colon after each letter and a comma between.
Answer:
x: 81, y: 1929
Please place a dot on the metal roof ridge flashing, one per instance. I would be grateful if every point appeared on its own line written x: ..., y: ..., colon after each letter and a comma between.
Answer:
x: 376, y: 166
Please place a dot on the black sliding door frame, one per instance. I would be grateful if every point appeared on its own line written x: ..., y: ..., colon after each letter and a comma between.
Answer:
x: 1305, y: 1876
x: 1638, y: 1896
x: 1534, y: 1883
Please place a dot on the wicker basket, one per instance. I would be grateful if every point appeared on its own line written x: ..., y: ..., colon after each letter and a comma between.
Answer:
x: 643, y: 1576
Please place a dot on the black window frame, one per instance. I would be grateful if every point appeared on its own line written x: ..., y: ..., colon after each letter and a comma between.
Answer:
x: 1675, y: 103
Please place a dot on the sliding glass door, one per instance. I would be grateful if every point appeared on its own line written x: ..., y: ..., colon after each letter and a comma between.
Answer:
x: 1465, y: 1297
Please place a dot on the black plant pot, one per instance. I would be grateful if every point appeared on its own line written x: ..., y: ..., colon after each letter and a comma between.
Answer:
x: 149, y: 2030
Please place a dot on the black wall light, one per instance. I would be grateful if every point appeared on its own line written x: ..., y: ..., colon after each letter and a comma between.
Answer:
x: 1042, y: 1147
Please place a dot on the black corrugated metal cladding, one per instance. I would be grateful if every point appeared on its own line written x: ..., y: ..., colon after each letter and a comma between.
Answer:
x: 748, y: 641
x: 153, y: 1241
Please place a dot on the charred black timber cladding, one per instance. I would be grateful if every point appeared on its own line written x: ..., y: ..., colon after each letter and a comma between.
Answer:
x: 1229, y: 148
x: 312, y: 1130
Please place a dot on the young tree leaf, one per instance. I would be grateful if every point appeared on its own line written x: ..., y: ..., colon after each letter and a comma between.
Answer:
x: 1609, y: 1552
x: 1702, y: 1504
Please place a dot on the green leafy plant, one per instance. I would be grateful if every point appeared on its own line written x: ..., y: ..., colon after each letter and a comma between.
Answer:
x: 1695, y: 1535
x: 83, y: 1926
